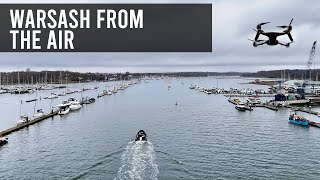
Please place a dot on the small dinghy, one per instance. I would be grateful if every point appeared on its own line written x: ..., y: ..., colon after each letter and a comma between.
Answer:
x: 89, y: 101
x: 296, y: 119
x: 3, y: 141
x: 31, y: 100
x: 141, y: 136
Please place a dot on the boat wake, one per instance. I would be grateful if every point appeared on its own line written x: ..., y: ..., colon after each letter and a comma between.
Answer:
x: 138, y: 161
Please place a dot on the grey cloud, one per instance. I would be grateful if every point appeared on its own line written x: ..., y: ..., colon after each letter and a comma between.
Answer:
x: 233, y: 21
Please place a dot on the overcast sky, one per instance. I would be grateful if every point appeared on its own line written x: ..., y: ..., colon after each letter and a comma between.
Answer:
x: 233, y: 21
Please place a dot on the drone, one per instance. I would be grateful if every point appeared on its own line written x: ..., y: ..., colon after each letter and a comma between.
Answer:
x: 272, y: 41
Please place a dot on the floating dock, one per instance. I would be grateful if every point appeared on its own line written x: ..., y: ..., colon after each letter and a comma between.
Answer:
x: 30, y: 122
x: 314, y: 124
x: 308, y: 111
x: 249, y: 95
x: 271, y: 107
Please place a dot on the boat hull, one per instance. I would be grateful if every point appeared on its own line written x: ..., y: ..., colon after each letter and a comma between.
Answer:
x: 302, y: 123
x: 64, y: 112
x: 75, y: 107
x: 38, y: 115
x: 3, y: 142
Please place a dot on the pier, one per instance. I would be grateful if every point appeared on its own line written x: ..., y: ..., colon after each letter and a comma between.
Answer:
x: 30, y: 122
x: 271, y: 107
x: 55, y: 112
x: 314, y: 124
x: 308, y: 111
x: 249, y: 95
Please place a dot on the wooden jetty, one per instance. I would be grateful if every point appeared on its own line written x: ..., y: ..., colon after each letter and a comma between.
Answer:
x: 307, y: 111
x: 30, y: 122
x: 314, y: 124
x: 271, y: 107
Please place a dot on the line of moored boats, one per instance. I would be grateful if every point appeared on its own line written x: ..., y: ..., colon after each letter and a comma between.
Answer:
x: 73, y: 104
x: 216, y: 90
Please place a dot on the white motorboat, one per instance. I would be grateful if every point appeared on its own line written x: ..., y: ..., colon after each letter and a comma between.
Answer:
x: 109, y: 93
x: 64, y: 103
x: 62, y: 94
x: 52, y: 96
x: 64, y: 110
x: 253, y: 100
x: 68, y: 91
x: 39, y: 113
x: 71, y: 100
x: 23, y: 120
x: 75, y: 106
x: 243, y: 107
x: 201, y: 89
x: 208, y: 91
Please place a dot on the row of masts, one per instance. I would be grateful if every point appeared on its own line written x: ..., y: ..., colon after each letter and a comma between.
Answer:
x: 33, y: 80
x: 286, y: 76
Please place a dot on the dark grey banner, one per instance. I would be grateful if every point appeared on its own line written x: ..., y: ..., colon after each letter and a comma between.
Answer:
x: 106, y: 28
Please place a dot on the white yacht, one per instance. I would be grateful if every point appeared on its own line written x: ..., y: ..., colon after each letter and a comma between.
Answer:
x: 39, y: 113
x: 52, y: 96
x: 23, y: 119
x: 63, y: 110
x: 75, y: 105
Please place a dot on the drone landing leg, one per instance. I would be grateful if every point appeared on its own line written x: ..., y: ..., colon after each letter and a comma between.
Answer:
x: 261, y: 43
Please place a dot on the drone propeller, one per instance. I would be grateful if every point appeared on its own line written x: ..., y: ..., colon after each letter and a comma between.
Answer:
x: 263, y: 23
x: 290, y: 22
x: 286, y: 26
x: 282, y: 26
x: 259, y: 25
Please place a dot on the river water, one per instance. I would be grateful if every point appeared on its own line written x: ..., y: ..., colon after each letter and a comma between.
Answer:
x: 202, y: 137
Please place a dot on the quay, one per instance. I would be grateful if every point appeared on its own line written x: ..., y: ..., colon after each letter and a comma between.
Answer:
x: 249, y: 95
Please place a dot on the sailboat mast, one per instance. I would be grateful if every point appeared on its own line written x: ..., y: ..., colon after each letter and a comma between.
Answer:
x: 35, y: 102
x: 60, y: 78
x: 19, y: 93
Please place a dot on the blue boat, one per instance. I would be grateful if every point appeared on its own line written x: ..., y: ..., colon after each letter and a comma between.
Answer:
x: 296, y: 119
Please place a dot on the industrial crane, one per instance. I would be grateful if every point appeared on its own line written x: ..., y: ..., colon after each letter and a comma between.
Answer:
x: 311, y: 59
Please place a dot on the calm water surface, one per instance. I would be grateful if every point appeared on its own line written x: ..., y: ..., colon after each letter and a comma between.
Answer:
x: 203, y: 137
